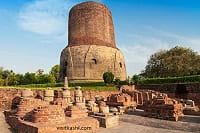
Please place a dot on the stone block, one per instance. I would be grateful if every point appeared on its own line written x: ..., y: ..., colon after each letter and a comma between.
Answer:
x: 107, y: 122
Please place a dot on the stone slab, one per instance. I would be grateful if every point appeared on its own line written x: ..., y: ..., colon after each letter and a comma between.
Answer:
x: 107, y: 122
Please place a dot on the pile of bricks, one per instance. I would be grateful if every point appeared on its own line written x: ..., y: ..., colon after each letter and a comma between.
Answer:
x: 121, y: 99
x: 48, y: 113
x: 162, y: 107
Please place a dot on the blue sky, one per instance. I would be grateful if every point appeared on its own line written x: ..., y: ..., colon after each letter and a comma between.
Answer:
x: 34, y: 32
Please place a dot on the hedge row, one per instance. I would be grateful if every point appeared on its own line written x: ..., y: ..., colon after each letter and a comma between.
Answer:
x: 86, y: 84
x: 185, y: 79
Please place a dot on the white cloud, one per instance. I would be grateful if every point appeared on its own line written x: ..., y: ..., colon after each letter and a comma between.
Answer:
x: 142, y: 46
x: 181, y: 40
x: 49, y: 17
x: 46, y: 17
x: 138, y: 53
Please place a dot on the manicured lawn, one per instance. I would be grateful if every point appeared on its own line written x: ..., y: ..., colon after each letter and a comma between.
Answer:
x: 92, y: 88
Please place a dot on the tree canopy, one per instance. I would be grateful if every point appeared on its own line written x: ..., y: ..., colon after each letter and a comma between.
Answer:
x: 8, y: 77
x: 177, y: 61
x: 108, y: 77
x: 55, y: 71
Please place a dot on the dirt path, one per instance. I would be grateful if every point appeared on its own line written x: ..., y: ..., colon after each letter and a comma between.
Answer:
x: 134, y: 123
x: 4, y: 127
x: 126, y: 127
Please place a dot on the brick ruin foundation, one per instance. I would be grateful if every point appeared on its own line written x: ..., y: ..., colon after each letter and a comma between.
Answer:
x: 51, y: 110
x: 165, y: 108
x: 50, y: 114
x: 154, y: 104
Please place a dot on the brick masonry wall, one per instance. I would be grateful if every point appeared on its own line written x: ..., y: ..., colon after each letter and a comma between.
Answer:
x: 48, y: 113
x: 7, y: 96
x: 90, y: 23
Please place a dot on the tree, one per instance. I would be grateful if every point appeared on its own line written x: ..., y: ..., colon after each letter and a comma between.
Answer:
x: 136, y: 79
x: 1, y: 72
x: 177, y: 61
x: 1, y: 82
x: 13, y: 79
x: 45, y: 78
x: 108, y: 77
x: 29, y: 78
x: 39, y: 71
x: 20, y: 78
x: 6, y: 76
x: 55, y: 71
x: 1, y: 77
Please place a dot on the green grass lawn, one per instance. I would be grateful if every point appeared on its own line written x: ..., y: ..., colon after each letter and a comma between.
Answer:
x: 91, y: 88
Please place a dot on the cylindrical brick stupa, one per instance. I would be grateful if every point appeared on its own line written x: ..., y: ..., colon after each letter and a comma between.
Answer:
x: 91, y: 49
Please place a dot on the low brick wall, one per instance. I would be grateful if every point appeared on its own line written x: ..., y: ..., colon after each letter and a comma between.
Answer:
x: 171, y: 88
x: 20, y: 126
x: 185, y: 91
x: 9, y: 97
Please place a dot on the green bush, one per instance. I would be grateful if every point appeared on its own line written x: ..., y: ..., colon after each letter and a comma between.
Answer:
x: 45, y: 78
x: 185, y: 79
x: 123, y: 82
x: 108, y: 77
x: 86, y: 84
x: 136, y: 79
x: 117, y: 81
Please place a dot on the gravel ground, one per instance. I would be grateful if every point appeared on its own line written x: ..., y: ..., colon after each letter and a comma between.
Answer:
x: 135, y: 123
x: 126, y: 127
x: 4, y: 127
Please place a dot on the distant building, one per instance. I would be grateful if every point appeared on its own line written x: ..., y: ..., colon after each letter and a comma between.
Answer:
x: 91, y: 49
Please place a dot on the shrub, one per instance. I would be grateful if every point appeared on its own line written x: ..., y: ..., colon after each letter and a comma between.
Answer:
x: 108, y: 77
x: 117, y: 81
x: 185, y: 79
x: 136, y: 79
x: 86, y: 84
x: 45, y: 78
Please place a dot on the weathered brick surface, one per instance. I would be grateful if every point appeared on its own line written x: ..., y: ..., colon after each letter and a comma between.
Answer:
x: 76, y: 112
x: 91, y: 50
x: 165, y: 108
x: 7, y: 96
x: 21, y: 126
x: 48, y: 113
x: 91, y: 23
x: 190, y: 91
x: 122, y: 99
x: 62, y: 102
x: 11, y: 97
x: 26, y: 106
